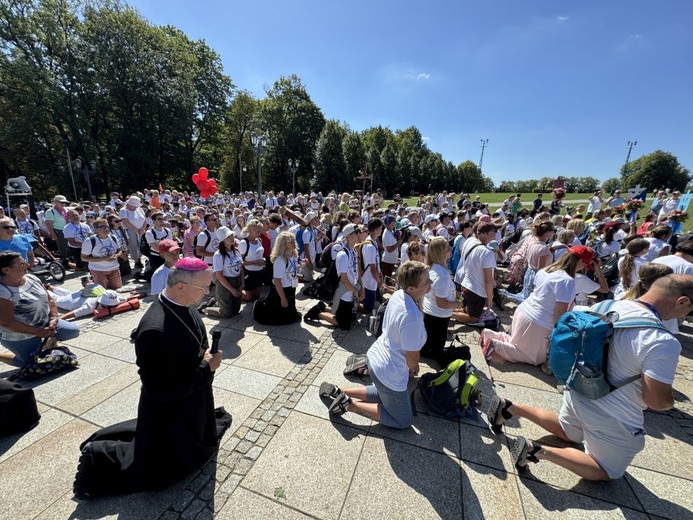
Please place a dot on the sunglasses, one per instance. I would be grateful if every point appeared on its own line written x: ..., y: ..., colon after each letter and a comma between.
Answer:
x: 91, y: 218
x: 101, y: 227
x: 116, y: 220
x: 9, y: 227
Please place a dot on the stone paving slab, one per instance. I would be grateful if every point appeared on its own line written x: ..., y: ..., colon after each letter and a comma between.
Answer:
x: 285, y: 458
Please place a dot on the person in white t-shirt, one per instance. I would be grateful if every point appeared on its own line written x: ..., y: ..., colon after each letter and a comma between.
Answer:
x: 553, y: 295
x: 372, y: 277
x: 629, y: 265
x: 642, y: 364
x: 135, y: 222
x: 390, y: 247
x: 439, y: 303
x: 392, y: 359
x: 658, y: 242
x: 280, y: 306
x: 479, y: 263
x: 169, y: 250
x: 101, y: 251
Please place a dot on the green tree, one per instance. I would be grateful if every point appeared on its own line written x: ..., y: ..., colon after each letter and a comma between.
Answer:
x: 610, y: 185
x: 656, y: 170
x: 293, y: 123
x: 239, y: 153
x: 354, y: 158
x: 472, y: 178
x: 329, y: 166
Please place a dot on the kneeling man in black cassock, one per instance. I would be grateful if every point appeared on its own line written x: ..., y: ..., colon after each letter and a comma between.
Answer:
x: 177, y: 429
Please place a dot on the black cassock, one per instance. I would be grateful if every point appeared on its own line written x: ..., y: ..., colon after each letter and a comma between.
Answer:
x: 177, y: 427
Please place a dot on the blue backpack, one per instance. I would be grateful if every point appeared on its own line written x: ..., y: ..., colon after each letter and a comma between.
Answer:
x: 455, y: 258
x: 579, y: 348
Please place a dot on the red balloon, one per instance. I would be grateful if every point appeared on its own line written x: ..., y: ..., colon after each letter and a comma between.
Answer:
x: 203, y: 185
x: 212, y: 182
x: 203, y: 172
x: 196, y: 178
x: 205, y: 194
x: 213, y: 190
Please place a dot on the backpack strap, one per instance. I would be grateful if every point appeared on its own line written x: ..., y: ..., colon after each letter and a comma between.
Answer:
x: 247, y: 248
x: 470, y: 250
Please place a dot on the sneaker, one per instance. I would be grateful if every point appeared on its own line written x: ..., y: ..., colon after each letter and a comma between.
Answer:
x: 340, y: 404
x: 329, y: 390
x: 313, y: 313
x: 138, y: 264
x: 546, y: 368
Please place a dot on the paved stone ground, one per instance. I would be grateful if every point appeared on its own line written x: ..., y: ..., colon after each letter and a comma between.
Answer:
x: 285, y: 458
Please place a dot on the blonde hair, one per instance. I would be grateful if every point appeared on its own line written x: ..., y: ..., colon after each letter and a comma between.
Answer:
x: 576, y: 224
x: 253, y: 225
x: 410, y: 272
x: 436, y: 251
x: 647, y: 275
x: 283, y: 240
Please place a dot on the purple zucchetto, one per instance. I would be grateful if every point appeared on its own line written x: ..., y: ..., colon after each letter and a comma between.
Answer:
x: 191, y: 264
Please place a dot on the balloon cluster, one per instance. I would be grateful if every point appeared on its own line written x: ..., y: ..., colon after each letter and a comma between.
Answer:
x: 207, y: 187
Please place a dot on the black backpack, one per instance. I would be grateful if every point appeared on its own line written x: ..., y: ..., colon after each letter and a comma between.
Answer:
x: 452, y: 392
x: 375, y: 322
x: 18, y: 411
x: 610, y: 269
x: 209, y: 237
x: 511, y: 239
x: 145, y: 249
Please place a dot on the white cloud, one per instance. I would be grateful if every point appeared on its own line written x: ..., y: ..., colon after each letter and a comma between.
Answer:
x: 563, y: 18
x: 628, y: 42
x: 423, y: 75
x: 424, y: 138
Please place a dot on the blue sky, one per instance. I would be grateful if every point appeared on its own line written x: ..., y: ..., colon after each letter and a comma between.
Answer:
x: 558, y: 88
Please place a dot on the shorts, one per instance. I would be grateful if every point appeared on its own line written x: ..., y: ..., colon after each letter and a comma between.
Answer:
x: 611, y: 443
x: 344, y: 314
x: 473, y: 303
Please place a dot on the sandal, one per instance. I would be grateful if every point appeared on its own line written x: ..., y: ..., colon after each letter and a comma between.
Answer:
x: 340, y: 404
x: 498, y: 413
x: 329, y: 390
x: 356, y: 365
x: 524, y: 451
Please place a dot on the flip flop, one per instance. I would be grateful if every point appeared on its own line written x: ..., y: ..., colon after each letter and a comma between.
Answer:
x: 328, y: 390
x: 356, y: 366
x: 497, y: 410
x: 524, y: 451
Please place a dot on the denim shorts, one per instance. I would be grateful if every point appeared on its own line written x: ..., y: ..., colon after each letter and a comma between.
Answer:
x: 23, y: 349
x: 395, y: 407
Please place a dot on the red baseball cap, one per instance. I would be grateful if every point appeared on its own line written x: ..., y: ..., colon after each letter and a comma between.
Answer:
x: 584, y: 253
x: 168, y: 246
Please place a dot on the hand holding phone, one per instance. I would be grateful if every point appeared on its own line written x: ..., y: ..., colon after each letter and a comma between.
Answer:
x: 216, y: 336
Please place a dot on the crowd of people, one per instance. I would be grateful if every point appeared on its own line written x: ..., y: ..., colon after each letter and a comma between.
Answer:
x: 445, y: 260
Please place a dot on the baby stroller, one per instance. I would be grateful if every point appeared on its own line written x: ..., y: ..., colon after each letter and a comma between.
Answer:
x: 46, y: 262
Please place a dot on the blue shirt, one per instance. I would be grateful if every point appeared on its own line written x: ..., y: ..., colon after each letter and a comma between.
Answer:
x: 19, y: 244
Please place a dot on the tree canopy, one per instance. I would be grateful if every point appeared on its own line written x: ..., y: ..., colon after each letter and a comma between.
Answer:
x: 148, y: 106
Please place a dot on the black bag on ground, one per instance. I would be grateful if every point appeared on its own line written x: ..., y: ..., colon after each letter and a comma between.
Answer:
x: 18, y: 411
x: 452, y: 392
x: 320, y: 289
x: 124, y: 267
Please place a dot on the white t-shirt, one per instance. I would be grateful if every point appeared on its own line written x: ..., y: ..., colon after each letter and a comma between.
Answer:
x: 230, y: 264
x: 549, y: 289
x: 646, y: 350
x: 135, y: 217
x: 287, y: 271
x: 388, y: 241
x: 479, y: 258
x: 559, y: 249
x: 369, y: 253
x: 159, y: 278
x: 155, y: 235
x: 75, y: 302
x: 347, y: 262
x: 584, y: 286
x: 403, y: 331
x: 656, y: 246
x: 210, y: 242
x: 309, y: 235
x: 255, y: 252
x: 594, y: 204
x: 678, y: 264
x: 442, y: 286
x: 79, y: 232
x: 102, y: 248
x: 466, y: 246
x: 273, y: 234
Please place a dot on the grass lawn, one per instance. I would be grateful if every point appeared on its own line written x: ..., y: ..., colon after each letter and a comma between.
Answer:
x: 495, y: 199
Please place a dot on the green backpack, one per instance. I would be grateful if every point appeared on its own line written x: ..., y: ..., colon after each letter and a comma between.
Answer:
x: 452, y: 392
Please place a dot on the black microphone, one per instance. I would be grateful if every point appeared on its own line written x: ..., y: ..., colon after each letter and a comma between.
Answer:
x: 216, y: 336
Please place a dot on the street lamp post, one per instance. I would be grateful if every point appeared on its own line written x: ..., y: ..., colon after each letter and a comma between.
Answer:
x: 241, y: 170
x: 88, y: 169
x: 293, y: 166
x: 484, y: 142
x: 630, y: 145
x: 258, y: 142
